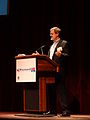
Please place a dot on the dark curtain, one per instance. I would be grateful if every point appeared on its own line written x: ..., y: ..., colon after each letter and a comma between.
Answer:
x: 26, y: 28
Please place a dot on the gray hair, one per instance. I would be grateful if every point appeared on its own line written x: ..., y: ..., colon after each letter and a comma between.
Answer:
x: 56, y: 29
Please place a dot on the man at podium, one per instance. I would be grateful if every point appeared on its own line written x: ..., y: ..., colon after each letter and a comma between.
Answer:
x: 59, y: 53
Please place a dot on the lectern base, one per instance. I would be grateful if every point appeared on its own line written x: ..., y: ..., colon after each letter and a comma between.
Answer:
x: 34, y: 115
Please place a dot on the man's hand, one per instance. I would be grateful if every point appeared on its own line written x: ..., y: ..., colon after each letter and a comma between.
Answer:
x: 59, y: 52
x: 36, y: 53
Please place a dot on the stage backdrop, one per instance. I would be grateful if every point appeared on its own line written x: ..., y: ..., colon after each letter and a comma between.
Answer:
x: 26, y: 28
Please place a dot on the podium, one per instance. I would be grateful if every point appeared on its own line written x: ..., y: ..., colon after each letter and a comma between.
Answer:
x: 42, y: 72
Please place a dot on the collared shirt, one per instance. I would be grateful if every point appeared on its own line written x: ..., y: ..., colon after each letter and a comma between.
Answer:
x: 52, y: 48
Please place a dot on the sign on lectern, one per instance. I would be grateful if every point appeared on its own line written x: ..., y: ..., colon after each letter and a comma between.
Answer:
x: 26, y: 70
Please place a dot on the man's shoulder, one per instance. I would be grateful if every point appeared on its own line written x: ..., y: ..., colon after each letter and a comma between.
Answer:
x: 62, y: 42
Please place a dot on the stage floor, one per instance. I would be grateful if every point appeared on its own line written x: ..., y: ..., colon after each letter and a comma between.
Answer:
x: 25, y: 116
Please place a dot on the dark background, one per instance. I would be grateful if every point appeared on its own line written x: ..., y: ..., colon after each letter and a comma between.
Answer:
x: 26, y: 28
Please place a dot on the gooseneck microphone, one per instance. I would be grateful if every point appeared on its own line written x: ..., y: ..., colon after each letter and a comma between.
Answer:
x: 41, y: 48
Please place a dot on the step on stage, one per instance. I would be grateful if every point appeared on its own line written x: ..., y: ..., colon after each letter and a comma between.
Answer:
x: 27, y: 116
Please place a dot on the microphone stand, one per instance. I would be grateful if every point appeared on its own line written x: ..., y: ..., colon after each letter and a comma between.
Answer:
x: 41, y: 48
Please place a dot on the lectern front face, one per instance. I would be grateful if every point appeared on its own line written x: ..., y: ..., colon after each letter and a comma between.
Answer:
x: 35, y: 72
x: 26, y: 70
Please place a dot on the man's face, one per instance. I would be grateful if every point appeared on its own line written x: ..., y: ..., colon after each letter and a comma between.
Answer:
x: 53, y: 35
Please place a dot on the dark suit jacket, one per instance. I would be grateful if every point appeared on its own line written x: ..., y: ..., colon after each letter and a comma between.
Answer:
x: 63, y: 60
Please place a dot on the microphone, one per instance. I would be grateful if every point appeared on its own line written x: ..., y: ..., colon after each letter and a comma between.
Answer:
x: 41, y: 48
